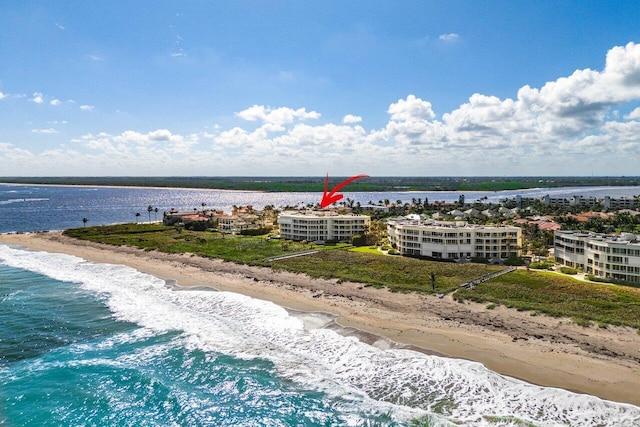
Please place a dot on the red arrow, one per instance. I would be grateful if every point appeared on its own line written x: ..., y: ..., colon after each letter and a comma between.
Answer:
x: 332, y: 197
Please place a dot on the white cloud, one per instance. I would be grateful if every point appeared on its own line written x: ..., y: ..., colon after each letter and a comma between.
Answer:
x: 86, y: 107
x: 160, y: 135
x: 3, y: 95
x: 54, y: 102
x: 38, y: 98
x: 634, y: 115
x: 45, y: 131
x: 60, y: 27
x: 540, y: 131
x: 449, y: 38
x: 15, y: 157
x: 350, y: 119
x: 277, y: 116
x: 161, y: 140
x: 411, y: 109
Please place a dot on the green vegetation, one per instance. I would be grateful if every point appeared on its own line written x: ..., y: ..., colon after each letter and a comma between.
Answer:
x: 560, y: 296
x: 568, y: 270
x: 593, y: 278
x: 542, y: 265
x: 396, y: 273
x: 277, y: 184
x: 367, y: 250
x: 514, y: 261
x: 243, y: 249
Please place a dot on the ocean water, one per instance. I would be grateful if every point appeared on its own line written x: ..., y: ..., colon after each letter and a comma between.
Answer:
x: 86, y: 344
x: 95, y: 344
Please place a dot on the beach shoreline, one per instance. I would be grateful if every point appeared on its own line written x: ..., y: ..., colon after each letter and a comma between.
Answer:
x: 537, y: 349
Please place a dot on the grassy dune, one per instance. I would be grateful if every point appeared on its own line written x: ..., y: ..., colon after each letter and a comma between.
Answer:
x: 242, y: 249
x: 560, y: 297
x: 396, y: 273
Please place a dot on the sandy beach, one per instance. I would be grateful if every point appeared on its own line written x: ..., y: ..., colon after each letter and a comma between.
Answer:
x: 538, y: 349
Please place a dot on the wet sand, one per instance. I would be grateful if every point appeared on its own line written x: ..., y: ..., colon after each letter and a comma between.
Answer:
x: 538, y: 349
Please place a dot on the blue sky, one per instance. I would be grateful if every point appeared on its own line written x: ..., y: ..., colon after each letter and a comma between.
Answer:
x: 306, y: 88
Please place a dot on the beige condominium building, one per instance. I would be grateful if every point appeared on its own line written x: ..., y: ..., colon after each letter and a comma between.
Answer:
x: 320, y: 226
x: 603, y: 255
x: 453, y: 240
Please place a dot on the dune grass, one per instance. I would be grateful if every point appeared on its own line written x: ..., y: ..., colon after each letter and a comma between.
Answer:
x: 332, y: 261
x: 397, y: 273
x: 242, y: 249
x: 559, y: 296
x: 366, y: 250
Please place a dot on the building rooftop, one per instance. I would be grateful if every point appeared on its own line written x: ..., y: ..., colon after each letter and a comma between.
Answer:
x: 443, y: 224
x: 624, y: 238
x: 319, y: 214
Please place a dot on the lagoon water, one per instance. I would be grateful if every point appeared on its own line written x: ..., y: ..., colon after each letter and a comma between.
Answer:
x: 32, y: 208
x: 94, y: 344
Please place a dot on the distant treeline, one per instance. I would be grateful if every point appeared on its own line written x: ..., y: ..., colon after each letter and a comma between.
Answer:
x: 298, y: 184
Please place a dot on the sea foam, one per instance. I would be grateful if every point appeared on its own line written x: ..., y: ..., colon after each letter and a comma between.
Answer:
x: 405, y: 383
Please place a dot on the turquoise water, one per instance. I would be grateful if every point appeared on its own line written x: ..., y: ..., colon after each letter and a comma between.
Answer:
x: 67, y: 361
x: 97, y: 344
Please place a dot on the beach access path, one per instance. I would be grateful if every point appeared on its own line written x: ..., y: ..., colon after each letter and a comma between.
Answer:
x: 538, y: 349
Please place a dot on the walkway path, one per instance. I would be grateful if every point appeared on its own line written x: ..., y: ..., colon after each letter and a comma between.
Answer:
x: 473, y: 283
x: 293, y: 255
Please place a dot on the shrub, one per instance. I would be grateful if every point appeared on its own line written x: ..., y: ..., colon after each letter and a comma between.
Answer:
x: 359, y: 240
x: 392, y: 252
x: 256, y: 231
x: 568, y: 270
x: 514, y: 261
x: 541, y: 265
x: 593, y: 278
x: 196, y: 225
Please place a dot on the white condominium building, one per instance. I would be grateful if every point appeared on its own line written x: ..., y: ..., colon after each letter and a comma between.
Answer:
x: 621, y: 202
x: 453, y: 239
x: 322, y: 226
x: 607, y: 256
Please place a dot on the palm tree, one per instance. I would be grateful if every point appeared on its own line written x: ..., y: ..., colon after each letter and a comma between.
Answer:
x: 84, y: 221
x: 155, y: 210
x: 149, y: 210
x: 432, y: 277
x: 137, y: 216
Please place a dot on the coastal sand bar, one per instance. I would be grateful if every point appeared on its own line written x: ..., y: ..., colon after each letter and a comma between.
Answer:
x: 538, y: 349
